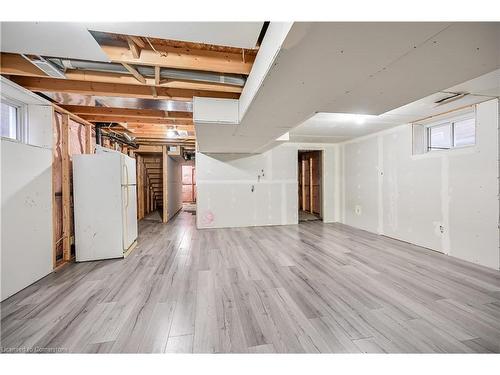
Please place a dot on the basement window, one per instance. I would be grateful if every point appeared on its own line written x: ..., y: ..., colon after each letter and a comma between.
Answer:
x: 12, y: 114
x: 445, y: 134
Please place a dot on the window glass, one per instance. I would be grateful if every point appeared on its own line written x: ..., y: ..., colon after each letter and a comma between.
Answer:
x: 9, y: 121
x: 464, y: 132
x: 440, y: 137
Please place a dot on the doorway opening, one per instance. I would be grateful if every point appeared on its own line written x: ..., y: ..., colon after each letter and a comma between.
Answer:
x: 310, y: 185
x: 189, y: 188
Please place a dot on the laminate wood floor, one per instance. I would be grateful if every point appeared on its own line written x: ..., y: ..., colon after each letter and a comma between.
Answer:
x: 312, y: 287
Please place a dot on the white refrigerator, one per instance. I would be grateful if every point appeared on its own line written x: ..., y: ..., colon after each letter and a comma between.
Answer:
x: 105, y: 205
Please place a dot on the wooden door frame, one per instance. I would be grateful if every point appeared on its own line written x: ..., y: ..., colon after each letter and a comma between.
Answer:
x: 322, y: 182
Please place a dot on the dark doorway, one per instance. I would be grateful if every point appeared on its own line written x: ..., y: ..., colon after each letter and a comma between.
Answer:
x: 310, y: 185
x: 189, y: 188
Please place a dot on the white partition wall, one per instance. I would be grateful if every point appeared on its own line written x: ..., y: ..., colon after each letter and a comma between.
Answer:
x: 237, y: 190
x: 26, y: 192
x: 26, y: 218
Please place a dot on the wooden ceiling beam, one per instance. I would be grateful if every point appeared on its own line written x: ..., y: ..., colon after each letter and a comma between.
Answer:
x: 109, y: 77
x: 127, y: 112
x: 161, y: 134
x: 183, y: 58
x: 154, y: 129
x: 113, y: 89
x: 14, y: 64
x: 137, y: 120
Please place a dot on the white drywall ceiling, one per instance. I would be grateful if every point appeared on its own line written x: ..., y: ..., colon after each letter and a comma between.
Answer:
x: 333, y: 127
x: 368, y: 68
x: 58, y: 39
x: 232, y: 34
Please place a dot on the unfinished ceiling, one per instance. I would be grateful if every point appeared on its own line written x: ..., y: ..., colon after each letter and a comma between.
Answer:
x: 156, y: 77
x: 231, y: 34
x: 359, y: 68
x: 337, y: 127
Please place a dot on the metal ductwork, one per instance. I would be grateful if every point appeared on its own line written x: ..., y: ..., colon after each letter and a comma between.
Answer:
x: 148, y: 71
x: 118, y: 137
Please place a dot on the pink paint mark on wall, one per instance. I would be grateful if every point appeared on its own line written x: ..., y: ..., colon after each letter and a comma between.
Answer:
x: 208, y: 218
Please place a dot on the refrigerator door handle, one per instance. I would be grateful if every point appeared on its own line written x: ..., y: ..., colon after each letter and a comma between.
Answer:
x: 126, y: 182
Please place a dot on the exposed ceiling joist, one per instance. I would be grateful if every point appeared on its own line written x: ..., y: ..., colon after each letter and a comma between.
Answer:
x: 128, y: 112
x: 112, y: 89
x: 137, y: 120
x: 184, y: 58
x: 11, y: 63
x: 14, y: 64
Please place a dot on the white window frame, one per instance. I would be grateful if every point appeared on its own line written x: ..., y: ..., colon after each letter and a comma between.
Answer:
x: 21, y: 117
x: 451, y: 121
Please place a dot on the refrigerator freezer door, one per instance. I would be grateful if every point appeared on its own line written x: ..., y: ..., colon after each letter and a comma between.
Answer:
x: 98, y: 206
x: 128, y: 170
x: 129, y: 193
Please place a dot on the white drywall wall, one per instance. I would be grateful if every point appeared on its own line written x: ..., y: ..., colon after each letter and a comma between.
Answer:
x: 174, y: 186
x: 26, y: 215
x: 446, y: 201
x: 224, y: 187
x: 40, y: 125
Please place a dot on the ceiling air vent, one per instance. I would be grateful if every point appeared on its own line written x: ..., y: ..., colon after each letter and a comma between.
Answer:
x: 46, y: 66
x: 451, y: 97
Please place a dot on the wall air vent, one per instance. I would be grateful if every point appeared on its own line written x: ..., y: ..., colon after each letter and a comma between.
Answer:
x: 46, y: 66
x: 450, y: 97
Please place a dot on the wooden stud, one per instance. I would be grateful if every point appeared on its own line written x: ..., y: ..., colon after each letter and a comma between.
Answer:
x: 66, y: 188
x: 303, y: 184
x: 140, y: 187
x: 157, y: 75
x: 311, y: 184
x: 54, y: 221
x: 88, y: 139
x: 165, y: 178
